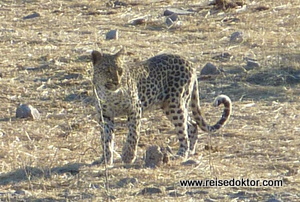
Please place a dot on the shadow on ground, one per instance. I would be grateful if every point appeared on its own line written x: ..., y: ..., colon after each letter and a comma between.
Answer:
x: 29, y: 172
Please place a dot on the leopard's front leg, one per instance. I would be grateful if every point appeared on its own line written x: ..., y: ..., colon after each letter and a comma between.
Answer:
x: 130, y: 147
x: 107, y: 140
x: 106, y: 123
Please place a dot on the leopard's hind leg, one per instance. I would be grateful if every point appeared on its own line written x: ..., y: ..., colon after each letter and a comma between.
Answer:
x: 193, y: 135
x: 177, y: 113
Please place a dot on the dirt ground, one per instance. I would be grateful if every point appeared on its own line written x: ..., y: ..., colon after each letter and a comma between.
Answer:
x: 45, y: 62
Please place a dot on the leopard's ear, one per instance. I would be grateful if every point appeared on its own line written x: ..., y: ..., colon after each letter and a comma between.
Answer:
x: 96, y: 57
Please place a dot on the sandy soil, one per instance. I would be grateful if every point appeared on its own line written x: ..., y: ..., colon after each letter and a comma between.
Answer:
x: 45, y: 62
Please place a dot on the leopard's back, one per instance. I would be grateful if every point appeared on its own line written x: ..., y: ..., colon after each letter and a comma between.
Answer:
x: 167, y: 75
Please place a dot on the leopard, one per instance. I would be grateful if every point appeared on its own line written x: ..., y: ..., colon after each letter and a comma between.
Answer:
x: 166, y: 81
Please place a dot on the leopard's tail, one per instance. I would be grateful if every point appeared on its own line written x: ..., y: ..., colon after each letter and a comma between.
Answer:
x: 195, y: 105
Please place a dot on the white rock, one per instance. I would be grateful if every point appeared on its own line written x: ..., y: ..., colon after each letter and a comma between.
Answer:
x: 27, y: 111
x: 112, y: 34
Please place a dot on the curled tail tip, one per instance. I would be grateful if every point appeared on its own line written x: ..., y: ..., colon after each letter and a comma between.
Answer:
x: 221, y: 99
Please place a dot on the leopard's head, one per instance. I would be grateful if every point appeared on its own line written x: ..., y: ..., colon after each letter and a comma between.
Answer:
x: 108, y: 69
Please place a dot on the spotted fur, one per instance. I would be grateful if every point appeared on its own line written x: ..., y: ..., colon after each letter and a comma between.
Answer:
x: 167, y: 81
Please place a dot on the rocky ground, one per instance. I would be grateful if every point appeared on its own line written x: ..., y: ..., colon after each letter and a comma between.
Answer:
x: 248, y: 50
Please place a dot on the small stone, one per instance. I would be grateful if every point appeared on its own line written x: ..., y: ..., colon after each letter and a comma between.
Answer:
x: 171, y: 19
x: 174, y: 17
x: 261, y: 8
x: 251, y: 64
x: 273, y: 200
x: 177, y: 11
x: 189, y: 162
x: 20, y: 192
x: 27, y: 111
x: 116, y: 4
x: 112, y: 34
x: 223, y: 57
x: 176, y: 194
x: 231, y: 20
x: 139, y: 21
x: 171, y: 188
x: 209, y: 69
x: 154, y: 157
x: 151, y: 190
x: 236, y: 37
x: 33, y: 15
x: 125, y: 181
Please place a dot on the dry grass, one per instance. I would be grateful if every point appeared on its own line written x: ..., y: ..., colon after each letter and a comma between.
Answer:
x: 45, y: 63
